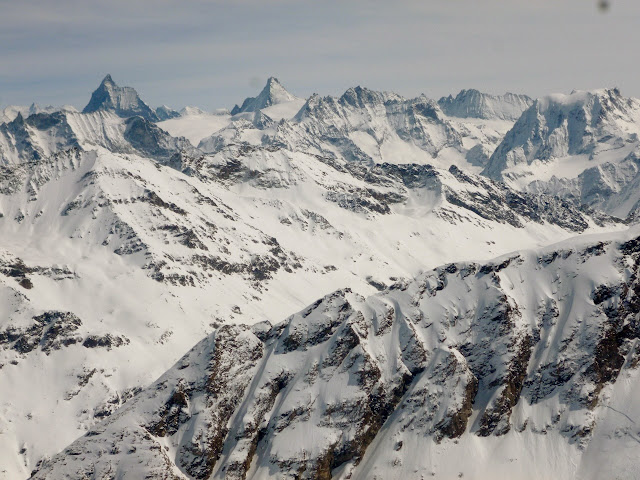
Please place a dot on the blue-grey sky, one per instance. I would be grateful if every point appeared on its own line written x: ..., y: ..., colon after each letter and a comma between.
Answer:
x: 214, y: 53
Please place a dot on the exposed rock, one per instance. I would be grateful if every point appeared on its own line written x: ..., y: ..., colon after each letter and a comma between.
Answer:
x: 124, y: 101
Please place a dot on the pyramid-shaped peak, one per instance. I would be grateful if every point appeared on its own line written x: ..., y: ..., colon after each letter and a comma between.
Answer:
x: 108, y: 79
x: 123, y: 101
x: 273, y: 81
x: 273, y: 93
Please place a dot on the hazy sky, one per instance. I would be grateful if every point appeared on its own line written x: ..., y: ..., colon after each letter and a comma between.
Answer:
x: 215, y: 53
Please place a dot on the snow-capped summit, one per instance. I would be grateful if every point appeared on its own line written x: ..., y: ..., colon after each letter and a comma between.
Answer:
x: 276, y: 207
x: 272, y: 94
x: 124, y: 101
x: 475, y: 104
x: 559, y: 125
x: 583, y: 145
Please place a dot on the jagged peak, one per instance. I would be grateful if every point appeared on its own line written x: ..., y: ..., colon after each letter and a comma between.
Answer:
x: 274, y: 87
x: 107, y: 80
x: 273, y: 93
x: 123, y: 101
x: 359, y: 96
x: 311, y: 103
x: 583, y: 122
x: 273, y: 82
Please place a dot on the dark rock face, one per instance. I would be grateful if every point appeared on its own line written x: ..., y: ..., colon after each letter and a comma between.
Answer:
x: 124, y: 101
x: 49, y: 331
x: 153, y: 142
x: 54, y: 330
x: 504, y: 205
x: 107, y: 341
x: 496, y: 418
x: 233, y: 357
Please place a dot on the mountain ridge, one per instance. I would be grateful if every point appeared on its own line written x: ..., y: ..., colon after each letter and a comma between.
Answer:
x: 203, y: 222
x: 473, y: 103
x: 413, y: 361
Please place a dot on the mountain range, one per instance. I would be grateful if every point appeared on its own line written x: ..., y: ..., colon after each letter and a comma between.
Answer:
x: 376, y: 287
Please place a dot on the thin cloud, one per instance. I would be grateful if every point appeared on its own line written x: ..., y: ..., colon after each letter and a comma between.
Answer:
x: 204, y: 52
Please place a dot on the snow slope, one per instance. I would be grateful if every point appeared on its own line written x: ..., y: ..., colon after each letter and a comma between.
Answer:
x: 122, y: 243
x: 195, y: 126
x: 524, y: 367
x: 475, y: 104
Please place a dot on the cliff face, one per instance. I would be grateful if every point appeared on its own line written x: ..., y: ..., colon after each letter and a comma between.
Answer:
x: 123, y: 101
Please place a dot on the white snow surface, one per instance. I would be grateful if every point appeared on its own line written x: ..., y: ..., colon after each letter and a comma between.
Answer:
x: 123, y: 244
x: 195, y: 126
x: 428, y: 366
x: 475, y: 104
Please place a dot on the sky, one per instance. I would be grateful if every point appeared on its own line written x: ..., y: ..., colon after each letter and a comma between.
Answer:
x: 214, y: 53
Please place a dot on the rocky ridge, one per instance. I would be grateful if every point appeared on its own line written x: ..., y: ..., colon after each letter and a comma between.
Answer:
x: 464, y: 352
x: 272, y: 209
x: 475, y: 104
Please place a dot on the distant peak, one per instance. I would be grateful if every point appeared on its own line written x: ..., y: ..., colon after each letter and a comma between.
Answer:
x: 191, y: 110
x: 273, y: 93
x: 123, y: 101
x: 273, y: 81
x: 476, y: 104
x: 108, y: 79
x: 274, y: 87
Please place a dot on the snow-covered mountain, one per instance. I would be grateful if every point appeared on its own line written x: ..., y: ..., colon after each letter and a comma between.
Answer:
x: 524, y: 367
x: 123, y: 101
x: 368, y: 126
x: 272, y: 94
x: 582, y: 146
x: 125, y: 240
x: 475, y: 104
x: 10, y: 113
